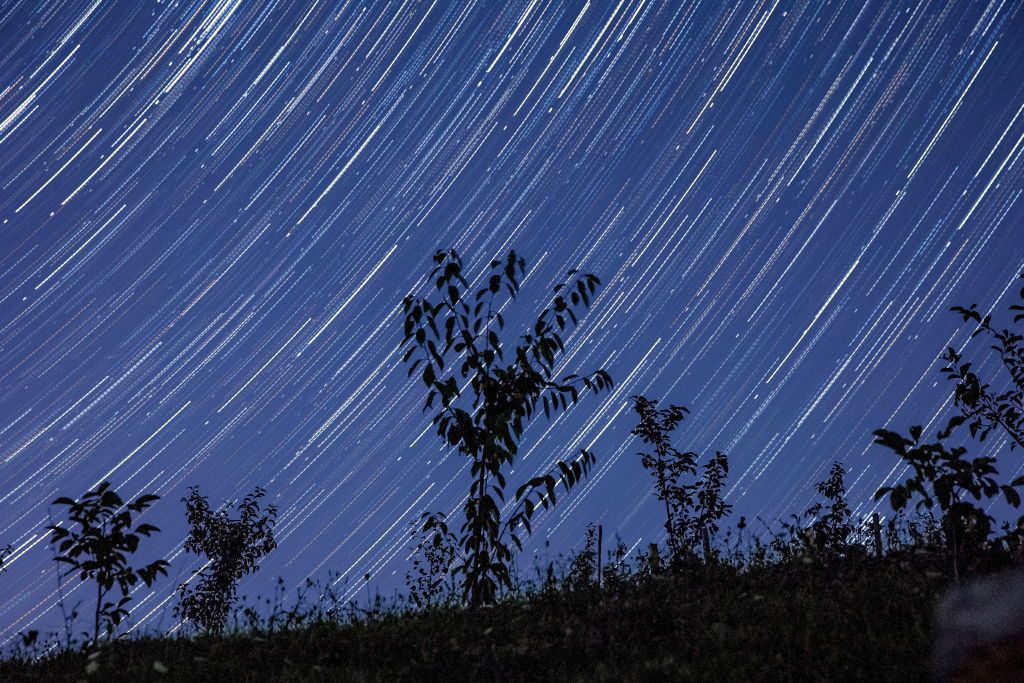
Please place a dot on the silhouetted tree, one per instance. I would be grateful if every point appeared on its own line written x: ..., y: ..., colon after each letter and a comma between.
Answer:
x: 984, y: 406
x: 453, y: 342
x: 96, y: 544
x: 693, y: 505
x: 668, y: 465
x: 233, y: 547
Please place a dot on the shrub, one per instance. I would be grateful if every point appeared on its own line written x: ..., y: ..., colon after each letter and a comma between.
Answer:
x: 831, y: 528
x: 583, y: 566
x: 693, y: 508
x: 711, y: 507
x: 233, y: 548
x: 433, y: 556
x: 943, y: 477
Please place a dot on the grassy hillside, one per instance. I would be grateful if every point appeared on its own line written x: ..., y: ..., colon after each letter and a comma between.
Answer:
x: 805, y: 619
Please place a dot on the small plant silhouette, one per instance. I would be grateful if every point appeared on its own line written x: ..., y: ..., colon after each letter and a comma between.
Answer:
x: 979, y: 402
x: 943, y: 477
x: 583, y: 567
x: 693, y: 509
x: 233, y: 548
x: 434, y: 554
x: 668, y: 465
x: 454, y: 344
x: 96, y: 545
x: 616, y: 573
x: 832, y: 527
x: 711, y: 507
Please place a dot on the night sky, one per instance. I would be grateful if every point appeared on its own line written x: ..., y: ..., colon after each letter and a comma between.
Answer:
x: 211, y: 210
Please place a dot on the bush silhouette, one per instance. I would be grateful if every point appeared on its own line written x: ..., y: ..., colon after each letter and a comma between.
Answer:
x: 233, y: 548
x: 693, y: 504
x: 984, y: 406
x: 96, y: 544
x: 831, y: 528
x: 453, y: 342
x: 943, y: 477
x: 711, y: 507
x: 434, y: 553
x: 584, y: 564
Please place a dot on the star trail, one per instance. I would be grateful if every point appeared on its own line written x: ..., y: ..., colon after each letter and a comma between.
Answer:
x: 210, y: 211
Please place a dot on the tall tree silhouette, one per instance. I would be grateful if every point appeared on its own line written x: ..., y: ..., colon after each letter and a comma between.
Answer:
x: 484, y: 394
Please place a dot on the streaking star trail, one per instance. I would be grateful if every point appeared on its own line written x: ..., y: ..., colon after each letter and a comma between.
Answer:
x: 210, y: 211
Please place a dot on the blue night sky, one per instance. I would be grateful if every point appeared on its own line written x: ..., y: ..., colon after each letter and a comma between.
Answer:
x: 210, y: 211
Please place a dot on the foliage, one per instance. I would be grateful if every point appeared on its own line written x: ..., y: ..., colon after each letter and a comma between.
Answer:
x: 693, y: 508
x: 832, y: 528
x: 583, y: 567
x: 96, y: 544
x: 943, y: 477
x: 979, y: 402
x: 454, y: 344
x: 710, y: 506
x: 233, y: 547
x: 732, y: 621
x: 434, y: 554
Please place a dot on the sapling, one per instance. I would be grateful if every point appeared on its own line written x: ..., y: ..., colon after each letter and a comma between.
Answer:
x: 484, y: 392
x: 95, y: 543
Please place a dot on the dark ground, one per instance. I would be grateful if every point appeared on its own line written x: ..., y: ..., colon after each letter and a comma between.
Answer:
x: 797, y: 621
